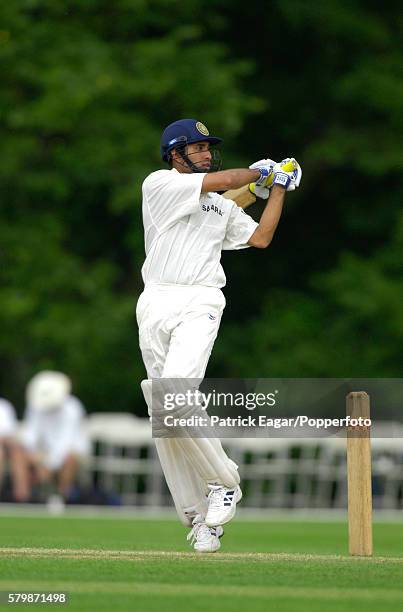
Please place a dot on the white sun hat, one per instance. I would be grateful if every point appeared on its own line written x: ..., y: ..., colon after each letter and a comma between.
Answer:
x: 47, y: 390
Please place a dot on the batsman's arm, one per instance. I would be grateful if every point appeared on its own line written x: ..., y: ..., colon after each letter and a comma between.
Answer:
x: 230, y: 179
x: 263, y: 234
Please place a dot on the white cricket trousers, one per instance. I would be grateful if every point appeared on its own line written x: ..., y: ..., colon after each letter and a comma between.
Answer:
x: 178, y: 325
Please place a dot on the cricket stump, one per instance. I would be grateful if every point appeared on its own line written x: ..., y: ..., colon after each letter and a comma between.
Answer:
x: 359, y: 477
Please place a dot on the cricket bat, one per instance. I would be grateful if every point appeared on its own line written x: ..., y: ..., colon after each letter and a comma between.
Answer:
x: 242, y: 196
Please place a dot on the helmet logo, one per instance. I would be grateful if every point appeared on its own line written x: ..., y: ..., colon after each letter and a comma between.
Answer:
x: 200, y: 127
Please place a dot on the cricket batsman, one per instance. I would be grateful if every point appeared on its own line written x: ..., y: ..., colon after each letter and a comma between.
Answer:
x: 186, y: 226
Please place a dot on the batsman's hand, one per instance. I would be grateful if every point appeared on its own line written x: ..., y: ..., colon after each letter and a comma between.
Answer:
x: 287, y: 174
x: 266, y: 171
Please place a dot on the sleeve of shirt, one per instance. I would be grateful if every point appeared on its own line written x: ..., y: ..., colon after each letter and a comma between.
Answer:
x: 240, y: 228
x: 170, y: 196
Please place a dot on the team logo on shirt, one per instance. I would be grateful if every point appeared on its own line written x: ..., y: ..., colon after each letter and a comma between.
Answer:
x: 213, y: 207
x: 211, y: 317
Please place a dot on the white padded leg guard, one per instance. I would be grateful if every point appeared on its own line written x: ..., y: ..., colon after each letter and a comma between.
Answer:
x: 188, y: 490
x: 208, y: 457
x: 185, y: 485
x: 205, y: 454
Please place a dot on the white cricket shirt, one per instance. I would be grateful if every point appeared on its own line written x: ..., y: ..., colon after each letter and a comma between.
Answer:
x: 8, y: 420
x: 56, y: 433
x: 186, y: 230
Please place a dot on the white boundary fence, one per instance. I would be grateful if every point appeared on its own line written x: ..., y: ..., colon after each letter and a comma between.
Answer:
x: 276, y: 473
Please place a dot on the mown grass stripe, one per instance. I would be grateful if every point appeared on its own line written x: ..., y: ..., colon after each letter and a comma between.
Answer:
x: 151, y: 588
x: 89, y: 553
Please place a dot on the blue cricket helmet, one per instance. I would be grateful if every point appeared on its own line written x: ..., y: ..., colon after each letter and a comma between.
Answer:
x: 183, y: 132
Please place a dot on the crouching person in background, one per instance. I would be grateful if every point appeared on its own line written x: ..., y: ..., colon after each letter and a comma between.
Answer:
x: 53, y: 435
x: 14, y: 484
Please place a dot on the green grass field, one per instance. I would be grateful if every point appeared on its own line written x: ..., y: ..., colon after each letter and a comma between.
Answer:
x: 147, y: 565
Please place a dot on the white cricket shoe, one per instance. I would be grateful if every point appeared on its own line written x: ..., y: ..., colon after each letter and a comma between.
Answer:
x: 205, y: 539
x: 222, y: 504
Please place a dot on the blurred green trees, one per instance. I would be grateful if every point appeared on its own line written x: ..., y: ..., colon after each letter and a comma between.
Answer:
x: 87, y: 88
x: 331, y: 299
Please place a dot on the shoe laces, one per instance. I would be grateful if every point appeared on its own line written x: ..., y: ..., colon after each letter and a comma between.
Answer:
x: 216, y: 496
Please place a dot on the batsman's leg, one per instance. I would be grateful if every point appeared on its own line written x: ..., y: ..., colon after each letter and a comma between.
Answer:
x: 188, y: 490
x: 189, y: 351
x: 180, y: 351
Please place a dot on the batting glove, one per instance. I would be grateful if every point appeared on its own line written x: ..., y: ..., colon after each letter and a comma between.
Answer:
x: 287, y: 174
x: 265, y: 167
x: 262, y: 162
x: 260, y: 192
